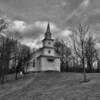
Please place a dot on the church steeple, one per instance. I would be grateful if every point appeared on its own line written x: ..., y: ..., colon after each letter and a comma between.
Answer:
x: 48, y: 41
x: 48, y: 28
x: 48, y: 33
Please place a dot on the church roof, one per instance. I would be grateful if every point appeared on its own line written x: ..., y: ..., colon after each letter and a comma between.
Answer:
x: 48, y: 56
x: 48, y: 39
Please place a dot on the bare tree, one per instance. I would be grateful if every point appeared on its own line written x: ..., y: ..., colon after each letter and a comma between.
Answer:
x: 98, y: 61
x: 5, y: 52
x: 26, y: 57
x: 3, y: 26
x: 79, y: 44
x: 97, y: 57
x: 15, y: 57
x: 22, y: 56
x: 64, y: 51
x: 91, y: 51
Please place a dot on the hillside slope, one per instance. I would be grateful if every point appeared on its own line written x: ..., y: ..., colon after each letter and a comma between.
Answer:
x: 53, y: 86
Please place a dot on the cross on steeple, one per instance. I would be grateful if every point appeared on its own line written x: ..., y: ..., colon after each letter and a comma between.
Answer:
x: 48, y: 33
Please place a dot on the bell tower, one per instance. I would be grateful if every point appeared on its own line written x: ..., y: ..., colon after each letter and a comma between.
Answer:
x: 48, y: 41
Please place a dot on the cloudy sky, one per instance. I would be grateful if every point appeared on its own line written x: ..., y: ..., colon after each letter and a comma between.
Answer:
x: 29, y: 18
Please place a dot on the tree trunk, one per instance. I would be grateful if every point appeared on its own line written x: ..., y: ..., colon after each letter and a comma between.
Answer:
x: 2, y: 75
x: 98, y: 66
x: 84, y: 71
x: 89, y: 63
x: 15, y: 60
x: 16, y: 72
x: 2, y: 79
x: 15, y: 76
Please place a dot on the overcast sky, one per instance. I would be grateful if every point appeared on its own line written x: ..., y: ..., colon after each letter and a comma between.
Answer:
x: 29, y: 17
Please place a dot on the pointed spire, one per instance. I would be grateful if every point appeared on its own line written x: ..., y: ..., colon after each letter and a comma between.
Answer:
x: 48, y: 33
x: 48, y: 28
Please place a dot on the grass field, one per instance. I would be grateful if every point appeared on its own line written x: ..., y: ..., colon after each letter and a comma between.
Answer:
x: 52, y: 86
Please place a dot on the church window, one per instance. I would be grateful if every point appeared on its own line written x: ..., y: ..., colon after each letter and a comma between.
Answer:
x: 49, y: 51
x: 50, y: 59
x: 33, y: 63
x: 49, y: 42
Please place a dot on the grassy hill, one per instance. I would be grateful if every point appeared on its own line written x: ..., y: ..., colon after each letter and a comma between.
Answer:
x: 52, y: 86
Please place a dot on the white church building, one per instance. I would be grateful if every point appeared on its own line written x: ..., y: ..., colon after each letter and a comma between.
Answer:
x: 45, y: 58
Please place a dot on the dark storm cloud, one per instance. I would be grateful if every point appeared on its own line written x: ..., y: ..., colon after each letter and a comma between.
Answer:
x: 57, y: 11
x: 20, y: 29
x: 62, y: 13
x: 33, y: 10
x: 88, y: 9
x: 30, y: 33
